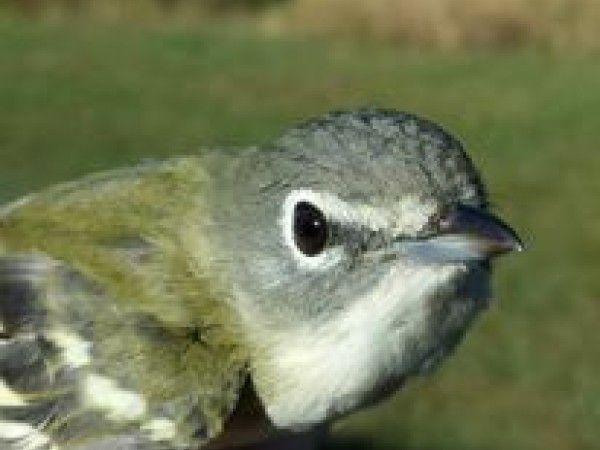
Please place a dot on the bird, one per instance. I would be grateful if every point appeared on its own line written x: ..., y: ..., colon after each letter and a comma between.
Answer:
x: 244, y: 297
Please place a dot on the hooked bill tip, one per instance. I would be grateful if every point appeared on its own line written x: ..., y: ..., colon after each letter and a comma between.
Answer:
x: 467, y: 234
x: 492, y: 235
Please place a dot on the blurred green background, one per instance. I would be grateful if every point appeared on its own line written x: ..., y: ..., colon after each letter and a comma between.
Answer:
x: 87, y: 85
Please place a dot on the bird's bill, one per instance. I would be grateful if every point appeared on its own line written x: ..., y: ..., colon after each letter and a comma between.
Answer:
x: 467, y: 234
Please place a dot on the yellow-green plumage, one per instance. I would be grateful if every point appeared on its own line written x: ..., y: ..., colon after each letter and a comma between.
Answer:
x: 94, y: 223
x: 125, y: 262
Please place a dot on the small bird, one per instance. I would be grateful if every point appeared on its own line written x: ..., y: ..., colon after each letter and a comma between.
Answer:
x: 244, y: 297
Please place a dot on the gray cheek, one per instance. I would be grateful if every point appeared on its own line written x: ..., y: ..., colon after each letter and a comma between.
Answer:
x: 287, y: 293
x: 266, y: 267
x: 267, y: 274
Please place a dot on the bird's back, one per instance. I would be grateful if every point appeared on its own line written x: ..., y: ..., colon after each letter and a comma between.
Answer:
x: 93, y: 275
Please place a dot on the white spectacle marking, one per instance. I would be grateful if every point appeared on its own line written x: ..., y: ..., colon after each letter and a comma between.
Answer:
x: 160, y: 429
x: 75, y: 352
x: 119, y: 404
x: 8, y: 397
x: 330, y: 256
x: 317, y: 371
x: 23, y: 436
x: 407, y: 217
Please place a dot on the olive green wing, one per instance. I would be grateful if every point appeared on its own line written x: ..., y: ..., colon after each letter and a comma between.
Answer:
x: 113, y: 331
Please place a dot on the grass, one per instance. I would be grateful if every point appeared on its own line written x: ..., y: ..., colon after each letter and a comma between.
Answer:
x: 77, y: 98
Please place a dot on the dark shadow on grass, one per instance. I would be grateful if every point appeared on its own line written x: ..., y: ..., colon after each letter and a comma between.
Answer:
x: 356, y: 443
x: 350, y: 445
x: 353, y: 444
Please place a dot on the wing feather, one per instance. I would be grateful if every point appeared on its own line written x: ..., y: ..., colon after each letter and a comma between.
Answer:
x: 110, y: 336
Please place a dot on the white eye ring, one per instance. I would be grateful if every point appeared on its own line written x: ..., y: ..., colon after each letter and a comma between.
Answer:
x: 324, y: 259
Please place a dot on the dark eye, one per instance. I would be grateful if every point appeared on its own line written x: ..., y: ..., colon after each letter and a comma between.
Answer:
x: 310, y: 229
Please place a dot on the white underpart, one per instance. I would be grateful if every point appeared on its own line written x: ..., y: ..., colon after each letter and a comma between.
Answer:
x: 75, y: 351
x: 317, y: 372
x: 23, y: 436
x: 105, y: 395
x: 407, y: 217
x: 160, y: 429
x: 8, y: 397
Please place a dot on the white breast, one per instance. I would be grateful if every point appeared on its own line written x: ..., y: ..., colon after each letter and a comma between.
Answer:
x: 316, y: 372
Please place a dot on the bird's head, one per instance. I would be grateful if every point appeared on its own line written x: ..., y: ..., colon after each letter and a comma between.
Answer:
x: 359, y: 245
